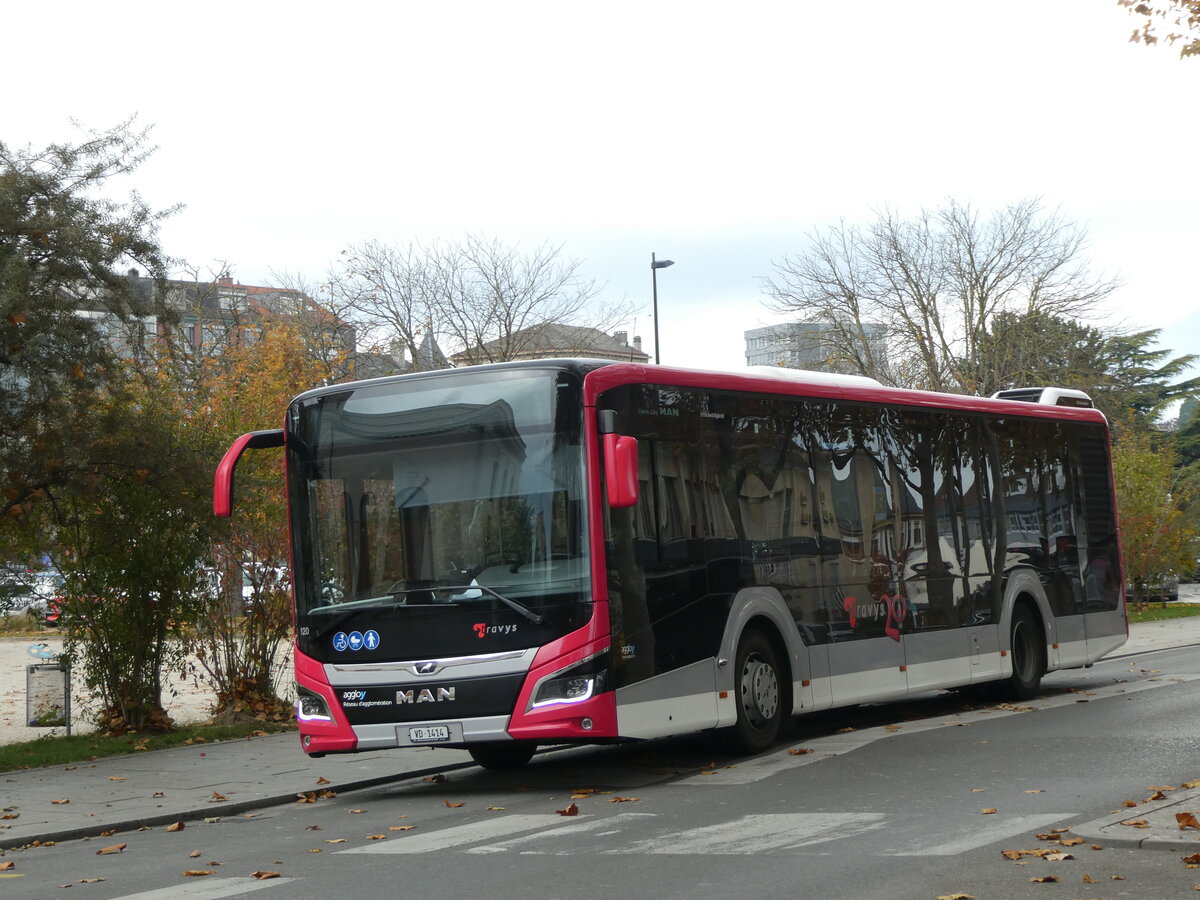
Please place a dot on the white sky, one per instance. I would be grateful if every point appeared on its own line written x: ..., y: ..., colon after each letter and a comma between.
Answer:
x: 716, y: 135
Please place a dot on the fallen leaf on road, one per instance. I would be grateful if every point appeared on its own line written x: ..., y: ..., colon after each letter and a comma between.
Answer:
x: 6, y: 866
x: 312, y: 827
x: 376, y: 837
x: 323, y: 780
x: 956, y: 897
x: 356, y: 811
x: 1045, y: 879
x: 1088, y: 879
x: 623, y: 799
x: 1187, y: 820
x: 87, y: 881
x: 1057, y: 857
x: 261, y: 874
x: 452, y: 805
x: 571, y: 810
x: 196, y: 873
x: 1036, y: 791
x: 990, y: 811
x: 335, y: 840
x: 115, y: 848
x: 116, y: 778
x: 157, y: 794
x: 439, y: 778
x: 193, y: 854
x: 495, y: 808
x: 892, y: 727
x: 108, y: 833
x: 1192, y: 861
x: 60, y: 801
x: 1129, y: 804
x: 217, y: 797
x: 401, y: 827
x: 1136, y: 823
x: 1071, y: 842
x: 799, y: 751
x: 176, y: 826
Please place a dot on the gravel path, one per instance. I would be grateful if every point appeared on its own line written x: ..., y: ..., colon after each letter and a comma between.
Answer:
x: 185, y: 700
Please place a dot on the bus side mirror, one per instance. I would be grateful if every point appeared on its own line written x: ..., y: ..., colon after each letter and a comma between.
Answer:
x: 621, y: 470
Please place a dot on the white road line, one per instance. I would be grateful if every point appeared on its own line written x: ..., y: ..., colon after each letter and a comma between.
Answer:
x: 541, y: 843
x: 208, y: 888
x: 760, y: 834
x: 472, y: 833
x: 981, y: 835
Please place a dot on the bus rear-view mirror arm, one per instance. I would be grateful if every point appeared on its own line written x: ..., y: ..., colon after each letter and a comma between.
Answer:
x: 223, y: 480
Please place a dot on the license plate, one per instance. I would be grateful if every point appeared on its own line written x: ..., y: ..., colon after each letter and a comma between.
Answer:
x: 429, y: 734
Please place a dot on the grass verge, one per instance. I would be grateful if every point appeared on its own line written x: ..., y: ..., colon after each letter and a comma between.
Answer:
x: 58, y: 750
x: 1158, y: 612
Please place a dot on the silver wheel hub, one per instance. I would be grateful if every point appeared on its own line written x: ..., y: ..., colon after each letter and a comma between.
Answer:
x: 759, y: 691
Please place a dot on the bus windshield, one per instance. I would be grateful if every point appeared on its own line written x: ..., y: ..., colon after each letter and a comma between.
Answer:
x: 428, y: 502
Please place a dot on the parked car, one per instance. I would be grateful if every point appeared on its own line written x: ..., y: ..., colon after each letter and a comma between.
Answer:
x: 1164, y: 591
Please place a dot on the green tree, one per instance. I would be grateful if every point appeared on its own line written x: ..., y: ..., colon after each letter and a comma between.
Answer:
x: 1152, y: 495
x: 65, y: 254
x: 1126, y: 378
x: 130, y: 544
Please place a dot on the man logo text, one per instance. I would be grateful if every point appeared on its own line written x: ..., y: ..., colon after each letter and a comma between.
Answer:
x: 425, y: 695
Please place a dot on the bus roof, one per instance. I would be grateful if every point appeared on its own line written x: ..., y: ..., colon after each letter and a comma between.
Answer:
x: 601, y: 375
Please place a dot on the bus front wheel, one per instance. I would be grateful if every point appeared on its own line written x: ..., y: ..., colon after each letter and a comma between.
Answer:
x: 760, y: 694
x: 502, y: 754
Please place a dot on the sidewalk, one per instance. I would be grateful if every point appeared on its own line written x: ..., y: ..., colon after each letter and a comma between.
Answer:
x: 190, y: 784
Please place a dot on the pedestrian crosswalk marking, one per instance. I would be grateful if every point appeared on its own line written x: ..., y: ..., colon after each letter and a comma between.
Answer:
x: 761, y: 834
x: 770, y: 833
x: 209, y: 889
x: 541, y: 843
x: 471, y: 833
x: 981, y: 835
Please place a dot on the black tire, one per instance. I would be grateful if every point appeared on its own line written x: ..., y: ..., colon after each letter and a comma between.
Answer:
x: 502, y: 754
x: 1028, y: 650
x: 760, y: 694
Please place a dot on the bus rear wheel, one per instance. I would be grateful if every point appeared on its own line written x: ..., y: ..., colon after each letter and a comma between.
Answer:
x: 760, y: 693
x: 502, y: 754
x: 1028, y: 655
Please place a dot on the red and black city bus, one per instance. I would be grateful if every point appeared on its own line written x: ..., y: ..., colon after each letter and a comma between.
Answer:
x: 555, y: 551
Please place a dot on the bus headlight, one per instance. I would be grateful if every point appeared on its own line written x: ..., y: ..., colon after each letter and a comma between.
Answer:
x: 574, y: 684
x: 311, y: 706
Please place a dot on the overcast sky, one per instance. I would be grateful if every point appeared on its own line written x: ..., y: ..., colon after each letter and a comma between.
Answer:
x: 716, y: 135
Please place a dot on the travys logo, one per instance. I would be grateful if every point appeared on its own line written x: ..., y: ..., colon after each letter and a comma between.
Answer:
x: 483, y: 629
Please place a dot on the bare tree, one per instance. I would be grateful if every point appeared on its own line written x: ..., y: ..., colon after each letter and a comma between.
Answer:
x: 476, y: 295
x: 935, y: 284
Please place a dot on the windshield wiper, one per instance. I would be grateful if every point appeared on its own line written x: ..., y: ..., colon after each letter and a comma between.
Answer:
x: 509, y: 602
x: 461, y: 592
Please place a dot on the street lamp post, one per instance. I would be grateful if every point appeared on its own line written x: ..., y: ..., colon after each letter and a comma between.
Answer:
x: 655, y: 265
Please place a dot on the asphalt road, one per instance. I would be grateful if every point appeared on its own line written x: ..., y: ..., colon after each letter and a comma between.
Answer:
x: 915, y: 800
